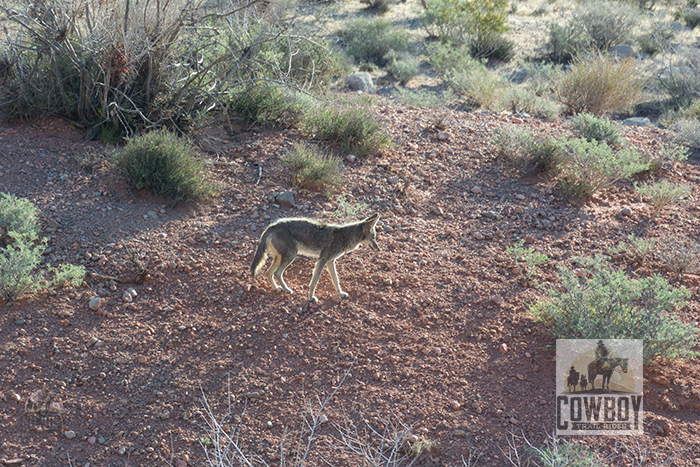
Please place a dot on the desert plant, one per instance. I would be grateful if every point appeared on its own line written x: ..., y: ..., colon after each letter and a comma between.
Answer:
x: 17, y: 215
x: 132, y: 65
x: 314, y: 169
x: 526, y: 259
x: 520, y: 99
x: 380, y: 6
x: 657, y: 38
x: 679, y: 255
x: 565, y: 42
x: 527, y: 152
x: 638, y: 249
x: 350, y: 123
x: 370, y: 40
x: 588, y: 166
x: 663, y: 193
x: 556, y: 452
x: 686, y: 133
x: 18, y: 262
x: 604, y: 303
x: 269, y: 104
x: 597, y: 128
x: 68, y: 275
x: 166, y: 164
x: 478, y: 24
x: 600, y: 85
x: 681, y: 79
x: 403, y: 67
x: 690, y: 15
x: 479, y: 85
x: 346, y: 210
x: 606, y: 23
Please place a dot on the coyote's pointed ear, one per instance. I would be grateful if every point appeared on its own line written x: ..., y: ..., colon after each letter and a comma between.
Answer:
x: 371, y: 221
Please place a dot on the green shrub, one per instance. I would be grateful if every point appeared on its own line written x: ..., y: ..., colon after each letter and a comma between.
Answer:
x: 657, y: 39
x: 370, y: 40
x: 351, y: 124
x: 606, y: 304
x: 18, y: 262
x: 445, y: 58
x: 588, y: 166
x: 314, y: 169
x: 346, y: 210
x: 597, y: 128
x: 476, y: 23
x: 479, y: 85
x: 403, y: 67
x: 636, y: 248
x: 686, y: 133
x: 68, y: 275
x: 600, y: 85
x: 689, y: 15
x: 565, y: 42
x: 519, y: 99
x: 527, y: 152
x: 526, y: 259
x: 606, y: 23
x: 268, y: 104
x: 165, y: 164
x: 682, y: 80
x: 663, y: 193
x: 17, y: 215
x: 562, y: 453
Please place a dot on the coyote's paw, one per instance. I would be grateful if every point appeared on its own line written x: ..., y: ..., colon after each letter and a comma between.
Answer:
x: 313, y: 299
x: 288, y: 290
x: 343, y: 295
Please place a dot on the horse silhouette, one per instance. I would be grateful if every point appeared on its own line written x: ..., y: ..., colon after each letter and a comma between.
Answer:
x: 572, y: 380
x: 583, y: 383
x: 595, y: 368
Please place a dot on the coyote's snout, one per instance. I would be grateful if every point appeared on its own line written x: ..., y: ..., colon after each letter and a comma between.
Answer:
x: 284, y: 239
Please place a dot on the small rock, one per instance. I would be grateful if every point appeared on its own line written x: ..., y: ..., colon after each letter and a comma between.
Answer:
x: 454, y: 405
x: 666, y: 426
x: 497, y: 299
x: 529, y: 240
x: 626, y: 211
x: 153, y: 215
x: 101, y: 440
x: 70, y: 434
x: 361, y: 81
x: 121, y: 451
x: 387, y: 281
x: 127, y: 297
x: 459, y: 433
x: 513, y: 420
x: 95, y: 303
x: 92, y: 440
x: 443, y: 136
x: 286, y: 198
x: 623, y: 51
x: 636, y: 121
x: 503, y: 348
x: 520, y: 197
x: 252, y: 395
x: 351, y: 157
x: 476, y: 189
x: 180, y: 463
x: 520, y: 376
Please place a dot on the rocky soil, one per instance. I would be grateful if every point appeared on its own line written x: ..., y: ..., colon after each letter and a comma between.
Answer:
x: 436, y: 332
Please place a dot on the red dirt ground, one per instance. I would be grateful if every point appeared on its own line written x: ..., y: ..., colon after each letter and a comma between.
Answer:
x: 437, y: 325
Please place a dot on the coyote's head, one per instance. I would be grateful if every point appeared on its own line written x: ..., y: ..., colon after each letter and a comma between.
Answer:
x: 369, y: 233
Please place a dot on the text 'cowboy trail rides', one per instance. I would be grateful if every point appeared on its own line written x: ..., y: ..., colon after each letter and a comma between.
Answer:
x: 599, y: 386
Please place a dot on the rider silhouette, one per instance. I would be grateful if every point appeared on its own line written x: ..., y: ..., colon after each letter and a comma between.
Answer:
x: 601, y: 354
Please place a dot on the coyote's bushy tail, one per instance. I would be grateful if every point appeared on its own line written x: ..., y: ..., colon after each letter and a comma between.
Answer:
x: 260, y: 253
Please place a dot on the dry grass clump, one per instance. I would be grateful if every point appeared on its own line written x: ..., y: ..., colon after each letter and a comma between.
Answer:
x: 600, y: 85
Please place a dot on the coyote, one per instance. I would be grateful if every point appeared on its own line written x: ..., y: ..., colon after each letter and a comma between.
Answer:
x: 284, y: 239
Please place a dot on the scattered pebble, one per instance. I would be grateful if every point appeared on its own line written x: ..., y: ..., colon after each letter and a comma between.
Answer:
x: 95, y: 303
x: 70, y: 434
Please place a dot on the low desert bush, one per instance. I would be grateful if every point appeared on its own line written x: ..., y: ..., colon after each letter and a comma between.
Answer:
x: 526, y: 259
x: 67, y: 275
x: 657, y: 38
x: 565, y: 42
x: 588, y: 166
x: 606, y: 23
x: 370, y: 40
x: 638, y: 249
x: 600, y: 85
x: 689, y: 15
x: 686, y: 133
x: 18, y: 264
x: 479, y: 85
x: 607, y: 304
x: 380, y: 6
x: 314, y: 169
x: 663, y: 193
x: 679, y: 255
x: 165, y: 164
x: 402, y: 66
x: 17, y: 215
x: 681, y: 81
x: 350, y: 123
x: 269, y: 104
x: 597, y: 128
x: 526, y: 152
x: 519, y: 99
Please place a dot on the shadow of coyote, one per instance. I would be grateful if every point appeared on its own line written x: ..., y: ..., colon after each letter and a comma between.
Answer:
x: 285, y: 239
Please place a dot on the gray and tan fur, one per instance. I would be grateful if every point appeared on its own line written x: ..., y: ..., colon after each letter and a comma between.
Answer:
x: 285, y: 239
